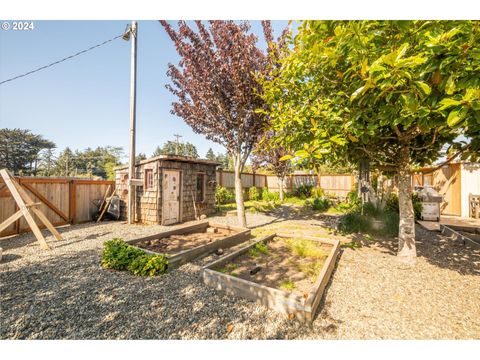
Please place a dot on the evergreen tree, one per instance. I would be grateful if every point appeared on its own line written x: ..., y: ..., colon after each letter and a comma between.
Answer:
x: 174, y: 148
x: 210, y: 155
x: 20, y: 150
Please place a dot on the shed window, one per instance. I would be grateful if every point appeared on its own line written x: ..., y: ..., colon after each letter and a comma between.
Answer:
x: 148, y: 179
x: 200, y: 197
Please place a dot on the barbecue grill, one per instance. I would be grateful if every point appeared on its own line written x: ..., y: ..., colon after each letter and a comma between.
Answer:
x: 431, y: 201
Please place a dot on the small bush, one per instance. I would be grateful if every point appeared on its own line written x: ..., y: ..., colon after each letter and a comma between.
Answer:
x: 223, y: 195
x: 392, y: 224
x: 149, y: 265
x: 417, y: 206
x: 371, y: 210
x: 270, y: 196
x: 351, y: 205
x: 254, y: 194
x: 393, y: 206
x: 353, y: 222
x: 304, y: 191
x: 118, y: 255
x: 319, y: 204
x: 392, y: 203
x: 317, y: 192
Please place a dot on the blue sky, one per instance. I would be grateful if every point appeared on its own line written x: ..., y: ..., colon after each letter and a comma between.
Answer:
x: 84, y: 102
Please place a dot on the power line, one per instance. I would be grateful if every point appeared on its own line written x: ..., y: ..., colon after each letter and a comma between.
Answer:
x: 62, y: 60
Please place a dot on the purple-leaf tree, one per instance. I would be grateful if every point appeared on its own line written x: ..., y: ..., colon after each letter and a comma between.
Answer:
x: 269, y: 156
x: 216, y: 86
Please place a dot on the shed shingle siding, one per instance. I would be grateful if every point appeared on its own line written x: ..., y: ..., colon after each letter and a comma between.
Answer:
x: 149, y: 202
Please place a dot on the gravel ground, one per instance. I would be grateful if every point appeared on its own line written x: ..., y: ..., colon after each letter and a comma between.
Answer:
x: 64, y: 293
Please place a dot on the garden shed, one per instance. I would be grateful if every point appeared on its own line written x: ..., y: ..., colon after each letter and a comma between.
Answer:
x: 173, y: 189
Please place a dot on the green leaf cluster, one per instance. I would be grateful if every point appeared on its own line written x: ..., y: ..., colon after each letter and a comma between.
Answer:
x: 149, y: 265
x: 118, y: 255
x: 368, y: 89
x: 223, y: 195
x: 254, y: 194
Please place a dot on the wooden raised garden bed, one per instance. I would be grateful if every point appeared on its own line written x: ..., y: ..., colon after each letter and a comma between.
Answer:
x: 468, y: 235
x: 186, y: 243
x: 282, y: 272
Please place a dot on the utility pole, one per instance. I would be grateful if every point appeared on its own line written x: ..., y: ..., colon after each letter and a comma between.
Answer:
x: 132, y: 33
x: 178, y: 143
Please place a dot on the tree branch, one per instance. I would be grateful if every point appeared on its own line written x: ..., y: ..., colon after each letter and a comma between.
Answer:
x: 449, y: 160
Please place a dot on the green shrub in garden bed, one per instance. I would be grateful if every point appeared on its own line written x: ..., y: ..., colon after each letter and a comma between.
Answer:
x: 270, y: 196
x: 304, y: 191
x: 118, y: 255
x: 319, y: 204
x: 223, y: 195
x: 149, y: 265
x: 254, y: 194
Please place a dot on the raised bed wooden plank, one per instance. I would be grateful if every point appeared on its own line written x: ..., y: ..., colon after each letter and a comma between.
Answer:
x: 456, y: 236
x: 181, y: 230
x: 304, y: 308
x: 182, y: 257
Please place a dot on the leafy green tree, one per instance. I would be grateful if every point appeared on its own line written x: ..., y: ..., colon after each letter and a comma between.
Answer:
x: 226, y: 161
x: 20, y: 150
x: 392, y: 92
x: 181, y: 149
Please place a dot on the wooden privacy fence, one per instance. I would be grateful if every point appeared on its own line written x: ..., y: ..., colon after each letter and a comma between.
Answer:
x: 63, y: 201
x: 338, y: 185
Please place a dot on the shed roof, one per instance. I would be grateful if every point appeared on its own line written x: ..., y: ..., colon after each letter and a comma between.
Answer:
x: 172, y: 158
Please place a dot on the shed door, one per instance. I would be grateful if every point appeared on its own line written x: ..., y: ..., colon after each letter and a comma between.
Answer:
x: 171, y: 197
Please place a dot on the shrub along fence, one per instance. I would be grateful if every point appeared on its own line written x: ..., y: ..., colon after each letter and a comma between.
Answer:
x: 338, y: 185
x: 63, y: 200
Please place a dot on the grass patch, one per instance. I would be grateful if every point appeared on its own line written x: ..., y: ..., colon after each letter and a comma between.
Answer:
x: 357, y: 223
x: 228, y: 269
x: 305, y: 248
x: 311, y: 270
x: 288, y: 285
x: 351, y: 245
x: 259, y: 249
x: 294, y: 200
x: 250, y: 206
x: 261, y: 206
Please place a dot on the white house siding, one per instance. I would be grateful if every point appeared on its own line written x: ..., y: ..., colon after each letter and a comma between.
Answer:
x: 470, y: 181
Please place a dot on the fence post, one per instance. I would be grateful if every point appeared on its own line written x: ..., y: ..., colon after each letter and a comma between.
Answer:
x: 253, y: 179
x: 221, y: 177
x: 291, y: 183
x: 72, y: 201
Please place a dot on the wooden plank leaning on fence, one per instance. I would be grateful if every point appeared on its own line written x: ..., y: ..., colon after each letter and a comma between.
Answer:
x: 26, y: 208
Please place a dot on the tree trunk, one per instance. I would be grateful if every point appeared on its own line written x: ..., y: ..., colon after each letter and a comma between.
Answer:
x: 242, y: 220
x: 406, y: 233
x: 280, y: 190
